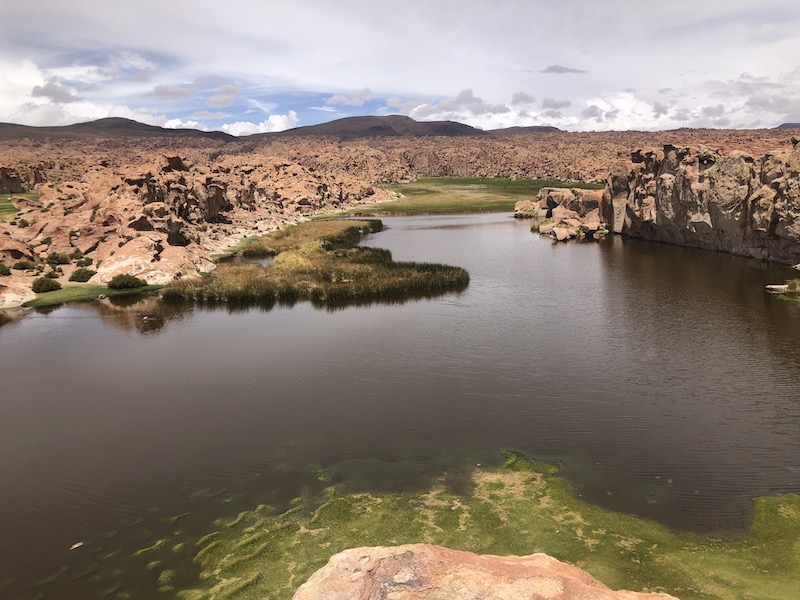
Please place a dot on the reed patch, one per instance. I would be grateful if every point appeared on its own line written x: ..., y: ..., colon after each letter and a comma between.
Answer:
x: 319, y: 261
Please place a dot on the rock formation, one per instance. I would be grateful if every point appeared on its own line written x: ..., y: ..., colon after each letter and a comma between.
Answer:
x: 564, y: 213
x: 698, y: 197
x: 162, y: 216
x: 421, y: 571
x: 161, y: 207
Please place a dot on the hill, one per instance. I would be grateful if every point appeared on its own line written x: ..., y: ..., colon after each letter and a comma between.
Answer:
x: 369, y: 126
x: 115, y: 127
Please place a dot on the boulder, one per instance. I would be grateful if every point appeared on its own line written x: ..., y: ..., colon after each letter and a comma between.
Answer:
x: 422, y: 571
x: 14, y: 250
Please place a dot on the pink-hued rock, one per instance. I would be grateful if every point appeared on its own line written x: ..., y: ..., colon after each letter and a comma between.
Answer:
x: 425, y: 572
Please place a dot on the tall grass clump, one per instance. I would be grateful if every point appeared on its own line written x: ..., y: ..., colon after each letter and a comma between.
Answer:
x: 319, y: 261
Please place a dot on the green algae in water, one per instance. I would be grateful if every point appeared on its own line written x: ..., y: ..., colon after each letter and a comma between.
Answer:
x: 520, y: 508
x: 177, y: 518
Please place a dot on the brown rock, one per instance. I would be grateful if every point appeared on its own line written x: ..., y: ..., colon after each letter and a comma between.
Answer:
x: 732, y: 202
x: 561, y: 213
x: 422, y: 571
x: 14, y: 250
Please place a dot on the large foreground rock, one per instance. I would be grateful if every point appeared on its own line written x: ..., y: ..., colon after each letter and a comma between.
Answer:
x: 418, y: 571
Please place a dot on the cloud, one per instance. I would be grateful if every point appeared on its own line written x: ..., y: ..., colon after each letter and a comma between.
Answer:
x: 357, y: 99
x: 258, y: 106
x: 55, y: 92
x: 593, y: 112
x: 713, y: 111
x: 560, y: 70
x: 522, y: 98
x: 224, y: 97
x: 178, y: 124
x: 466, y: 101
x: 273, y: 123
x: 553, y: 114
x: 660, y: 109
x: 555, y: 104
x: 171, y: 92
x: 327, y: 109
x: 207, y: 114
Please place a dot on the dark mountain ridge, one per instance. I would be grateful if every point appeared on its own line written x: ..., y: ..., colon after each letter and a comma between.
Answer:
x: 345, y: 128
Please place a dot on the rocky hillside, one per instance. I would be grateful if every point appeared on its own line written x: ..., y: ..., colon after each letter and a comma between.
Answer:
x: 736, y: 202
x: 156, y: 216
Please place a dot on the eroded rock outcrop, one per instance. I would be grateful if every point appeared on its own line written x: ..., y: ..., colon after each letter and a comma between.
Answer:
x: 163, y: 216
x: 422, y: 571
x: 564, y: 213
x: 698, y: 197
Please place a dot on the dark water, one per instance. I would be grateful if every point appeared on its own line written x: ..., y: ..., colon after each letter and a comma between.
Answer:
x: 664, y: 379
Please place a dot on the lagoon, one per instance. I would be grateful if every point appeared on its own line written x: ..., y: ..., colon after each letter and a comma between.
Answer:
x: 662, y: 379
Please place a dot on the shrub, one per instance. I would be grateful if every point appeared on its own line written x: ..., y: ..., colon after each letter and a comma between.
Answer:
x: 82, y: 275
x: 58, y: 258
x: 84, y: 262
x: 76, y: 254
x: 46, y: 241
x: 43, y: 284
x: 794, y: 285
x: 125, y: 281
x: 4, y: 270
x: 23, y: 265
x: 51, y: 275
x: 23, y: 223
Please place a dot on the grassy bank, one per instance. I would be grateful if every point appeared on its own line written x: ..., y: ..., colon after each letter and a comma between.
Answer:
x: 7, y: 208
x: 318, y: 261
x: 448, y: 195
x: 75, y: 293
x: 520, y: 508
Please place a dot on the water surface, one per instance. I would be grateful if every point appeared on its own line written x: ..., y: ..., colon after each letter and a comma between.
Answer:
x: 664, y: 379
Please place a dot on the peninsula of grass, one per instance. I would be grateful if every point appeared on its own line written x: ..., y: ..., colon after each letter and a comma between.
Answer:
x: 451, y: 195
x: 77, y: 293
x: 520, y: 508
x: 321, y: 262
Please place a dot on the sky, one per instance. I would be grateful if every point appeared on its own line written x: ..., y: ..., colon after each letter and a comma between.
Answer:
x: 249, y: 66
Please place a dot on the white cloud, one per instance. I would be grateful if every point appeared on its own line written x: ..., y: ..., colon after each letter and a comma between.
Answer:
x: 411, y: 63
x: 273, y: 123
x: 357, y: 99
x: 179, y: 124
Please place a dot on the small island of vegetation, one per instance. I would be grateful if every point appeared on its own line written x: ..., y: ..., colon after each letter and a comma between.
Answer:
x: 318, y: 261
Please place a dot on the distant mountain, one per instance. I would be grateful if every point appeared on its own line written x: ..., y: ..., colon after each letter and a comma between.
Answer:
x: 346, y: 128
x: 103, y: 128
x: 788, y: 126
x: 391, y: 125
x: 530, y: 129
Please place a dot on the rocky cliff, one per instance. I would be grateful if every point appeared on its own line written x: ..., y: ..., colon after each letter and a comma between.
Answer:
x: 732, y: 202
x: 421, y: 571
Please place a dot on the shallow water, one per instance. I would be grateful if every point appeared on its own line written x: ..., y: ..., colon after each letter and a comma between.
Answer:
x: 664, y: 379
